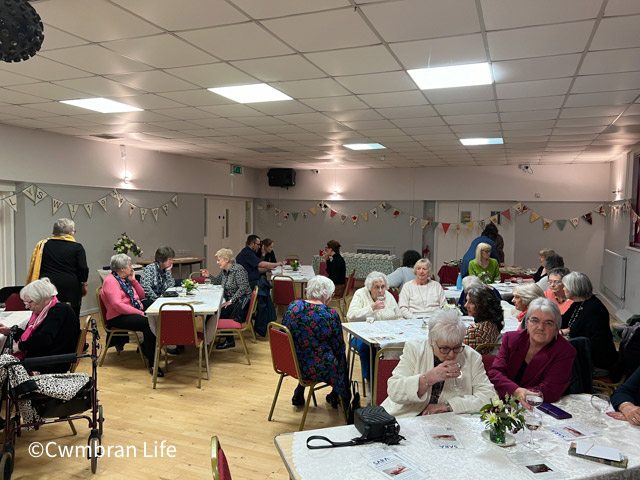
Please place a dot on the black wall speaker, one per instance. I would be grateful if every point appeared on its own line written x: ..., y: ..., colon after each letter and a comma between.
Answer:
x: 282, y: 177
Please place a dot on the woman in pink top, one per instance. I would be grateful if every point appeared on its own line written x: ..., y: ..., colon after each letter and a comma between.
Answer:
x: 122, y: 297
x: 555, y: 291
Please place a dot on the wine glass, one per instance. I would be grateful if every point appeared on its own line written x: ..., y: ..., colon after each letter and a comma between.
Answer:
x: 207, y: 282
x: 601, y: 403
x: 458, y: 364
x: 534, y: 397
x: 180, y: 291
x: 532, y: 421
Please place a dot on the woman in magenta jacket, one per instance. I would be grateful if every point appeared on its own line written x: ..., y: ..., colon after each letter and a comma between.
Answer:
x: 538, y: 357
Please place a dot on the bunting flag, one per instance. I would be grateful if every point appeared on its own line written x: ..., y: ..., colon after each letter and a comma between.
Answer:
x: 626, y: 206
x: 165, y: 209
x: 12, y: 201
x: 507, y: 214
x: 587, y: 217
x: 600, y: 209
x: 88, y: 207
x: 574, y: 222
x: 40, y: 195
x: 374, y: 212
x: 457, y: 227
x: 534, y: 216
x: 313, y: 210
x: 342, y: 218
x: 103, y: 203
x: 276, y: 212
x: 561, y: 224
x: 295, y: 216
x: 435, y: 224
x: 73, y: 209
x: 634, y: 217
x: 365, y: 215
x: 383, y: 205
x: 175, y: 200
x: 323, y: 206
x: 546, y: 223
x: 155, y: 212
x: 424, y: 223
x: 396, y: 212
x: 55, y: 205
x: 412, y: 220
x: 114, y: 193
x: 333, y: 213
x: 143, y: 213
x: 354, y: 218
x: 285, y: 215
x: 304, y: 214
x: 121, y: 200
x: 470, y: 226
x: 445, y: 227
x: 30, y: 193
x: 494, y: 219
x: 482, y: 224
x: 132, y: 208
x: 518, y: 208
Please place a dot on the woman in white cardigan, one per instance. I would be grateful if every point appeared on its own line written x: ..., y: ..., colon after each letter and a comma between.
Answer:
x: 372, y: 300
x: 423, y: 381
x: 422, y: 296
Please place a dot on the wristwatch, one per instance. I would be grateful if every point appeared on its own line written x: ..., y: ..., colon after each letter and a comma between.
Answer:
x: 449, y: 409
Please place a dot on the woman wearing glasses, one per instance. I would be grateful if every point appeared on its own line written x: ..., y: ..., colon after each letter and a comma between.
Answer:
x: 535, y: 358
x: 439, y: 375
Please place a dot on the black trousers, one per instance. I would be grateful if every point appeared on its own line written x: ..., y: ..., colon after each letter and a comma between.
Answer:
x: 138, y: 323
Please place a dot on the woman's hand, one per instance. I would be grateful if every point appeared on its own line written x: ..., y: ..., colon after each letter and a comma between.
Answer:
x: 225, y: 304
x: 434, y: 408
x: 205, y: 272
x: 378, y: 305
x: 4, y: 330
x: 522, y: 393
x: 443, y: 371
x: 631, y: 412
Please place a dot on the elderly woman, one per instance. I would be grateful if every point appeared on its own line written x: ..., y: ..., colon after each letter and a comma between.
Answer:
x: 336, y: 268
x: 588, y: 317
x: 422, y: 296
x: 473, y: 281
x: 423, y: 381
x: 53, y: 328
x: 372, y: 300
x: 317, y: 337
x: 523, y: 295
x: 404, y: 273
x: 235, y: 282
x: 535, y: 358
x: 483, y: 266
x: 542, y: 255
x: 555, y: 291
x: 122, y: 297
x: 484, y: 307
x: 551, y: 262
x: 156, y: 277
x: 626, y: 399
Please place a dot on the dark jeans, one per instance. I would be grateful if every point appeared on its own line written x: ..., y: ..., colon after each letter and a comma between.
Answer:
x: 138, y: 323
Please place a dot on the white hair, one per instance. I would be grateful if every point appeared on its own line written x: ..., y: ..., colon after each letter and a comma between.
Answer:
x: 39, y: 290
x: 373, y: 278
x: 446, y: 326
x: 320, y: 288
x: 548, y: 306
x: 470, y: 281
x: 119, y: 261
x: 63, y: 226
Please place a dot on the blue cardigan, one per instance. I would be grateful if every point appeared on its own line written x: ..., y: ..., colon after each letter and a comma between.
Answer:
x: 629, y: 391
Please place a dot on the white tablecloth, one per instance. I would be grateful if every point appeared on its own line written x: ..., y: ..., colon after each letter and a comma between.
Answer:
x: 478, y: 459
x: 302, y: 275
x: 9, y: 319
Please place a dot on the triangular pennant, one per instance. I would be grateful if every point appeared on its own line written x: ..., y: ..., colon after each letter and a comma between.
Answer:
x: 435, y: 224
x: 143, y: 213
x: 470, y: 226
x: 333, y: 213
x: 561, y: 224
x: 396, y: 212
x: 40, y: 195
x: 482, y: 224
x: 494, y: 219
x: 295, y: 216
x: 88, y: 207
x: 456, y: 227
x: 587, y: 217
x: 445, y: 227
x: 165, y: 209
x: 175, y: 200
x: 365, y: 215
x: 55, y: 205
x: 121, y: 200
x: 383, y: 205
x: 574, y: 222
x: 534, y: 216
x: 354, y: 218
x: 634, y: 217
x: 132, y: 208
x: 412, y: 220
x: 546, y: 223
x: 304, y: 214
x: 374, y: 212
x: 155, y: 212
x: 30, y: 192
x: 103, y: 203
x: 73, y: 209
x: 342, y: 218
x: 323, y: 206
x: 600, y: 209
x: 518, y: 208
x: 12, y: 201
x: 285, y: 215
x: 276, y: 212
x: 506, y: 213
x: 313, y: 210
x: 626, y: 205
x: 424, y: 223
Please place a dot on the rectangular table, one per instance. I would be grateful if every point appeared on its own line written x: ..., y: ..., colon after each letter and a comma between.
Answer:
x: 478, y: 459
x: 505, y: 289
x: 363, y: 264
x: 180, y: 261
x: 10, y: 319
x: 300, y: 277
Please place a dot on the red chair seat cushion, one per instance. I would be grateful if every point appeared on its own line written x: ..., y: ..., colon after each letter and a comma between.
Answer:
x: 228, y: 323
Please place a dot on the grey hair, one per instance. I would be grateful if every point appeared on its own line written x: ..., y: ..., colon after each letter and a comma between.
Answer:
x: 63, y: 226
x: 578, y: 285
x: 545, y: 252
x: 164, y: 253
x: 548, y: 306
x: 446, y: 326
x: 375, y: 277
x: 119, y: 261
x: 423, y: 261
x: 528, y: 292
x: 470, y: 281
x: 39, y: 290
x: 320, y: 288
x: 225, y: 253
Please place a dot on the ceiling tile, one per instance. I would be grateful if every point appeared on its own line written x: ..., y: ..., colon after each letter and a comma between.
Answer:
x: 471, y: 119
x: 625, y: 60
x: 44, y: 69
x: 334, y: 104
x: 282, y: 108
x: 621, y: 7
x: 320, y: 87
x: 396, y: 99
x: 196, y: 98
x: 441, y: 51
x: 354, y: 61
x: 499, y: 15
x: 261, y: 9
x: 407, y: 112
x: 11, y: 97
x: 460, y: 94
x: 530, y: 115
x: 49, y: 91
x: 56, y: 39
x: 378, y: 82
x: 580, y: 122
x: 95, y: 59
x: 304, y: 118
x: 466, y: 108
x: 214, y: 75
x: 528, y: 125
x: 539, y: 103
x: 352, y: 115
x: 536, y: 88
x: 154, y: 81
x: 99, y: 87
x: 557, y: 66
x: 274, y: 69
x: 616, y: 32
x: 8, y: 78
x: 603, y: 98
x: 605, y: 83
x: 590, y: 112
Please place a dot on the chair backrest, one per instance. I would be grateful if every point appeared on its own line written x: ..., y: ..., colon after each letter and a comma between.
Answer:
x: 82, y: 339
x: 347, y: 304
x: 283, y: 290
x: 283, y: 352
x: 349, y: 286
x: 6, y: 291
x: 395, y: 292
x: 386, y: 361
x: 197, y: 276
x: 582, y: 368
x: 219, y: 465
x: 488, y: 348
x: 322, y: 269
x: 253, y: 304
x: 487, y: 361
x: 288, y: 259
x: 177, y: 325
x: 102, y: 310
x: 14, y: 303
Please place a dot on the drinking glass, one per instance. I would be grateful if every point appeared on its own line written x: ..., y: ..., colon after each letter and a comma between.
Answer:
x: 455, y: 380
x: 207, y: 282
x: 180, y: 291
x: 532, y: 421
x: 534, y: 397
x: 601, y: 403
x: 370, y: 319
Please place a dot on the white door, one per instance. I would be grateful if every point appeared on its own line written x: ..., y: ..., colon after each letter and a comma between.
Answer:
x: 229, y: 222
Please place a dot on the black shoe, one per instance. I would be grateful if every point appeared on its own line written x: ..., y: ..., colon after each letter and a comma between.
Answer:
x: 160, y: 372
x: 227, y: 344
x: 332, y: 399
x: 180, y: 348
x: 173, y: 351
x: 298, y: 396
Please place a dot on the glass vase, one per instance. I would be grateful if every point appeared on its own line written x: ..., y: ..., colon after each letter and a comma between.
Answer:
x: 497, y: 435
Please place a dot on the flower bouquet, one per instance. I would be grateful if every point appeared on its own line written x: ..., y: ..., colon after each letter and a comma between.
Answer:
x: 189, y: 286
x: 126, y: 244
x: 295, y: 265
x: 502, y: 415
x: 485, y: 277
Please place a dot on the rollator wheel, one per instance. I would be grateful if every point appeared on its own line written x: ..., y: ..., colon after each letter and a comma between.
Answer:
x: 94, y: 449
x: 100, y: 419
x: 6, y: 463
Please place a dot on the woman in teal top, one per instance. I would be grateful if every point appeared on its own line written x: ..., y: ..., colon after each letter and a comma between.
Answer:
x: 485, y: 267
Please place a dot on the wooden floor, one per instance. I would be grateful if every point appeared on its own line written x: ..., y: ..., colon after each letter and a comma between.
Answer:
x: 234, y: 405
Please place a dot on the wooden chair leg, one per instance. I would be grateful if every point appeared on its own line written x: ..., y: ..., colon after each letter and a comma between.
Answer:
x: 106, y: 347
x: 244, y: 346
x: 200, y: 365
x: 306, y: 406
x: 275, y: 397
x: 155, y: 365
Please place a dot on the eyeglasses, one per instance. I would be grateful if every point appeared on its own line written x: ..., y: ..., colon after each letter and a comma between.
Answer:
x: 555, y: 282
x: 546, y: 324
x: 445, y: 350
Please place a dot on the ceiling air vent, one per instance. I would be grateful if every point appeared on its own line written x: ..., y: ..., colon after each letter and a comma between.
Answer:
x: 106, y: 136
x: 267, y: 150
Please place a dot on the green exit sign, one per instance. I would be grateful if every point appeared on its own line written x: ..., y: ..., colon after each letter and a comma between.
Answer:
x: 236, y: 169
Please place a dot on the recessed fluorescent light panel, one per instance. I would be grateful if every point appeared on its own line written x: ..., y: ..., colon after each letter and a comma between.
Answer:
x: 102, y: 105
x: 364, y: 146
x: 260, y: 92
x: 481, y: 141
x: 453, y: 76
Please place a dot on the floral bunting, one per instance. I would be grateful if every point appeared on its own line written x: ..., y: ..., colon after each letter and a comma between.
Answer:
x: 588, y: 218
x: 546, y: 222
x: 103, y: 203
x: 354, y: 218
x: 374, y: 212
x: 313, y: 210
x: 494, y: 219
x: 435, y: 224
x: 73, y: 209
x: 445, y: 227
x: 285, y: 215
x: 534, y: 216
x: 600, y: 209
x: 323, y: 206
x: 276, y: 212
x: 383, y: 206
x: 88, y: 207
x: 574, y: 222
x: 481, y: 224
x: 396, y: 212
x: 165, y: 209
x: 30, y: 193
x: 333, y: 213
x: 470, y: 226
x: 424, y: 223
x: 40, y: 195
x: 342, y: 218
x: 175, y: 200
x: 412, y: 220
x: 304, y: 214
x: 132, y: 208
x: 561, y: 224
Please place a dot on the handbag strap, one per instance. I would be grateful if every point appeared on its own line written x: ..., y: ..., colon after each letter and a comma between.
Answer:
x: 332, y: 444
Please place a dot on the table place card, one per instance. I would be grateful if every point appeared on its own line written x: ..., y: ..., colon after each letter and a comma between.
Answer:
x: 535, y: 465
x: 394, y: 465
x: 442, y: 437
x: 585, y: 447
x: 574, y: 431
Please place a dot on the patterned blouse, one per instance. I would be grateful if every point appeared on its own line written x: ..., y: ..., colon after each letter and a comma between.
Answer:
x: 155, y: 281
x: 317, y: 336
x: 482, y: 332
x: 234, y: 281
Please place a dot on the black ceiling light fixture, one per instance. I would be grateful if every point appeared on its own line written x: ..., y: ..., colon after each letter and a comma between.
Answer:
x: 21, y: 31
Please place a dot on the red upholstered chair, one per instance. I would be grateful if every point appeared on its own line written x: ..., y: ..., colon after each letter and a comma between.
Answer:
x: 288, y: 258
x: 487, y: 361
x: 228, y: 326
x: 322, y: 269
x: 14, y: 303
x: 395, y: 292
x: 197, y: 277
x: 177, y: 326
x: 386, y: 361
x: 284, y: 291
x: 219, y: 464
x: 488, y: 352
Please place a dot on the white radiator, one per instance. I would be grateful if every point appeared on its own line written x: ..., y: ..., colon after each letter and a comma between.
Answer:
x: 614, y: 272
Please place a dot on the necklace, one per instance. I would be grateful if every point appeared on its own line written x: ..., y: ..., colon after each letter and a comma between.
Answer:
x: 576, y: 314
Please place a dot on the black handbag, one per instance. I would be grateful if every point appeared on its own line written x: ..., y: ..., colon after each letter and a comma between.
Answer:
x: 374, y: 423
x: 355, y: 403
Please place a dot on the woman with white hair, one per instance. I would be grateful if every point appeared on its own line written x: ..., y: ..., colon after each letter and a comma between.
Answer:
x: 423, y: 381
x: 53, y: 328
x: 422, y: 296
x: 317, y: 337
x: 523, y: 295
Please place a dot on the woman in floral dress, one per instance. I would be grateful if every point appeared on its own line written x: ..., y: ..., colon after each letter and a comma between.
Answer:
x: 317, y: 336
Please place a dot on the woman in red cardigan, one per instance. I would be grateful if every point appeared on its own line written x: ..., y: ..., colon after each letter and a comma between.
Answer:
x: 122, y: 297
x: 538, y: 357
